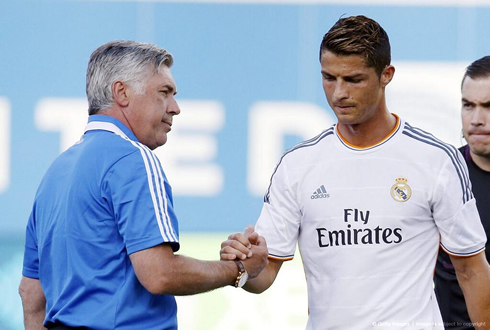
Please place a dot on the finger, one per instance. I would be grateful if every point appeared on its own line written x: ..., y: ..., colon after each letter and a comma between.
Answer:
x: 249, y: 230
x: 227, y: 256
x: 243, y: 239
x: 236, y: 241
x: 236, y: 248
x: 226, y: 243
x: 239, y: 237
x: 261, y: 242
x: 234, y: 236
x: 242, y: 246
x: 253, y: 238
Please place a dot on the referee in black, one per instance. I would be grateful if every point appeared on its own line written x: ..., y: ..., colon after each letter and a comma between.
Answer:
x: 475, y: 115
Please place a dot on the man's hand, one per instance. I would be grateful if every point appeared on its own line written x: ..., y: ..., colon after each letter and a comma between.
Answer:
x: 239, y: 245
x: 259, y: 259
x: 248, y: 246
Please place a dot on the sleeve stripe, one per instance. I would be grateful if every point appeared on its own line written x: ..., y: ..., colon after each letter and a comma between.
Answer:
x: 468, y: 254
x: 157, y: 193
x: 168, y: 223
x: 283, y: 258
x: 456, y: 158
x: 427, y: 138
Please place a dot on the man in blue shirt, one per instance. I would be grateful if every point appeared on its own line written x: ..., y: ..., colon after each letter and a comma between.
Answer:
x: 102, y: 235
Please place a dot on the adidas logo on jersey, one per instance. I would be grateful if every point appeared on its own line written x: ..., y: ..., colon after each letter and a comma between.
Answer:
x: 320, y: 193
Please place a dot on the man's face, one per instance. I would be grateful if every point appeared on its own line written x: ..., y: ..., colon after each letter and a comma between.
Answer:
x: 475, y: 114
x: 353, y: 90
x: 151, y: 113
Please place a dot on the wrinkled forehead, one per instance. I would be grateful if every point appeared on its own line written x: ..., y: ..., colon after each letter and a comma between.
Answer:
x: 476, y: 89
x: 164, y: 78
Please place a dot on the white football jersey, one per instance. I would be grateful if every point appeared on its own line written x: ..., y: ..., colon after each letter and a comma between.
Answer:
x: 369, y: 222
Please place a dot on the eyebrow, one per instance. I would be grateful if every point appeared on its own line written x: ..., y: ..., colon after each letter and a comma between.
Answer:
x: 170, y: 88
x: 484, y: 104
x: 354, y: 76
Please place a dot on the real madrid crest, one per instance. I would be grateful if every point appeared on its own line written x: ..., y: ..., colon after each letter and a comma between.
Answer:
x: 401, y: 191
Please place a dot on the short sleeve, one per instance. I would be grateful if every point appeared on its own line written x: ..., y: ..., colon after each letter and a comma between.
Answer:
x: 31, y: 257
x: 455, y: 212
x: 142, y: 201
x: 280, y: 218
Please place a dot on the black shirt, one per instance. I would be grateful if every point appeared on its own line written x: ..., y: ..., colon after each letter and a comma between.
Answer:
x: 449, y: 294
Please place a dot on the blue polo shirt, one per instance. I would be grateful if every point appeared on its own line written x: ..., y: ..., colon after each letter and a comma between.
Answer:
x: 101, y: 200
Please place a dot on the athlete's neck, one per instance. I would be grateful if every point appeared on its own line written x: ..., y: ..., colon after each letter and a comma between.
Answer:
x: 481, y: 161
x: 370, y: 132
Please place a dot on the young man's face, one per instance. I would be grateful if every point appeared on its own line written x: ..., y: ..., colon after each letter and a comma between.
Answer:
x: 353, y: 90
x: 152, y: 112
x: 475, y: 115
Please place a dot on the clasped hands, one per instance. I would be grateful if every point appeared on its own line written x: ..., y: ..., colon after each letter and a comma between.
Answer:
x: 249, y: 247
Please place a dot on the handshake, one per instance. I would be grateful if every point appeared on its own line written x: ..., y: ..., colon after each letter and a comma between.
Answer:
x: 248, y: 247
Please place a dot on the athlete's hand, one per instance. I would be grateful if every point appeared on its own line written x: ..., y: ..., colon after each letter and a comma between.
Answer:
x: 259, y: 260
x: 239, y: 245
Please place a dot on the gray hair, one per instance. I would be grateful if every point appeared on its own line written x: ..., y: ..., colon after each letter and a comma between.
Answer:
x: 127, y: 61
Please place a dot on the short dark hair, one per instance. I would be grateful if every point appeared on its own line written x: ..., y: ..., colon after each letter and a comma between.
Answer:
x: 478, y: 69
x: 359, y: 35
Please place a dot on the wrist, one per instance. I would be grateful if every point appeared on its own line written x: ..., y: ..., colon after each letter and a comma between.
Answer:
x: 242, y: 276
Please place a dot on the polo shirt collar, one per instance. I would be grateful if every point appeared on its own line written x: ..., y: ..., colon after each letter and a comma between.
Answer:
x: 111, y: 124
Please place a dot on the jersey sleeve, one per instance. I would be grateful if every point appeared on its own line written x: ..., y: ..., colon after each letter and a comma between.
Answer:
x: 142, y: 201
x: 455, y: 212
x: 31, y: 257
x: 279, y: 220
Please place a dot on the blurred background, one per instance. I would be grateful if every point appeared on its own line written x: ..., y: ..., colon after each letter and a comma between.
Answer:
x: 249, y: 86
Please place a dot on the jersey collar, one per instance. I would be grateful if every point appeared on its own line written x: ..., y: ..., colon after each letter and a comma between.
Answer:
x: 110, y: 124
x: 383, y: 141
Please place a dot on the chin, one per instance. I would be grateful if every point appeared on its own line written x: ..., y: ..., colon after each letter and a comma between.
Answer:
x: 480, y: 150
x: 348, y: 120
x: 161, y: 142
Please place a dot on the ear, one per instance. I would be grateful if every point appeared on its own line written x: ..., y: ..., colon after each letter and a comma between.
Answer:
x: 121, y: 93
x: 387, y: 74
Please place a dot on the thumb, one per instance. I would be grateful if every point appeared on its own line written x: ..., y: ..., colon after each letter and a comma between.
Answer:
x: 248, y: 231
x: 253, y: 238
x: 261, y: 241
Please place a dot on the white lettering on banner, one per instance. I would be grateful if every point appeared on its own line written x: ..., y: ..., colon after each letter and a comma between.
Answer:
x: 191, y: 140
x: 65, y: 115
x: 4, y: 144
x: 269, y: 122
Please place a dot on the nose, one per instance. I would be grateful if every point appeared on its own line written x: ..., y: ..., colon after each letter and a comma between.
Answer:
x: 340, y: 91
x: 478, y: 116
x: 173, y: 107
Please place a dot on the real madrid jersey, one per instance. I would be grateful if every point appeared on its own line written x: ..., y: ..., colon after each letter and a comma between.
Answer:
x: 369, y: 222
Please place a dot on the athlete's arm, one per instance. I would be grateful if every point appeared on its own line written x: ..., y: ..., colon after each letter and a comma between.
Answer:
x: 161, y: 271
x: 474, y: 278
x: 33, y: 303
x: 265, y: 278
